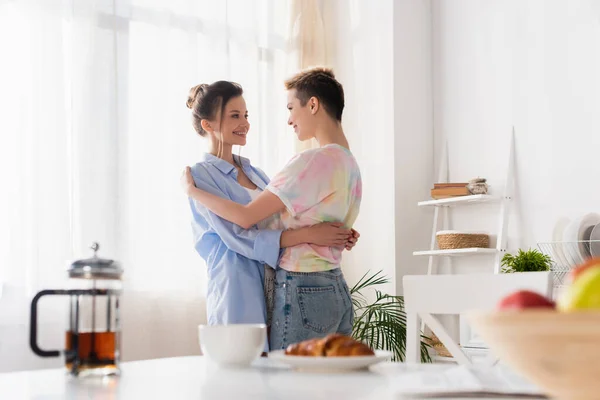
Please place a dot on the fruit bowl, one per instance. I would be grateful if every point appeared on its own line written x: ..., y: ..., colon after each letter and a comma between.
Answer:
x: 557, y: 351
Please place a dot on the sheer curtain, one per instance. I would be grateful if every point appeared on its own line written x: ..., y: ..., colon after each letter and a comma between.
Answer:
x: 94, y: 132
x: 307, y: 46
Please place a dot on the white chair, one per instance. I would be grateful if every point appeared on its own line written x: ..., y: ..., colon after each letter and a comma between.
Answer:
x: 425, y: 295
x: 160, y: 324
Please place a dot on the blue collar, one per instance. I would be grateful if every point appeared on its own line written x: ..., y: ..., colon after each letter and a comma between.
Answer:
x: 223, y: 165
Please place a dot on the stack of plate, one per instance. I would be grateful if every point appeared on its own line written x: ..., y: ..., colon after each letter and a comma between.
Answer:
x: 581, y: 239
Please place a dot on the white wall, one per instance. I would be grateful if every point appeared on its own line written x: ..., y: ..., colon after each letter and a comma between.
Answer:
x: 413, y: 130
x: 155, y: 324
x: 531, y: 64
x: 360, y: 44
x: 381, y: 52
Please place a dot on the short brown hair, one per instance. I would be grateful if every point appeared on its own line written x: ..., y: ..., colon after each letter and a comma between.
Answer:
x: 319, y: 82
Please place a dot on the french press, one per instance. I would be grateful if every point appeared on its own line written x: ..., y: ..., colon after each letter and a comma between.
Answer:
x: 93, y: 344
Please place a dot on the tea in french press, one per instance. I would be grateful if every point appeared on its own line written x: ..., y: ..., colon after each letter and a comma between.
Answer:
x: 92, y: 339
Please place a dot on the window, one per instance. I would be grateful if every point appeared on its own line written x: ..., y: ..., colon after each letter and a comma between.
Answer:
x: 95, y: 131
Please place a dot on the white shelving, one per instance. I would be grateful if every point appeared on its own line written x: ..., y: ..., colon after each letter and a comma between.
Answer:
x: 442, y: 359
x: 456, y: 252
x: 477, y: 356
x: 441, y: 212
x: 469, y: 342
x: 460, y: 200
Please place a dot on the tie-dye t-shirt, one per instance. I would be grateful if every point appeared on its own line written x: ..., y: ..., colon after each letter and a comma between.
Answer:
x: 318, y: 185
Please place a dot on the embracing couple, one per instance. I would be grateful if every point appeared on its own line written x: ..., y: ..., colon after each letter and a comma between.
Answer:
x: 273, y: 248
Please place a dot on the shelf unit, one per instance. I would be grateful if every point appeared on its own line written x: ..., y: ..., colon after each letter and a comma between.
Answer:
x: 460, y: 200
x: 468, y: 340
x: 456, y: 252
x: 477, y: 356
x: 440, y: 216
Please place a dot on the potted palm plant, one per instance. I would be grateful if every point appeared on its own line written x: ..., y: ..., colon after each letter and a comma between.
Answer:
x: 381, y: 324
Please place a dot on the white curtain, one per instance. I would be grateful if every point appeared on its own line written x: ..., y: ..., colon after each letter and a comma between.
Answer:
x: 307, y: 44
x: 94, y: 131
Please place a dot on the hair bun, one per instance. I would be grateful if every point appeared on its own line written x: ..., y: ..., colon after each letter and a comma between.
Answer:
x: 196, y: 93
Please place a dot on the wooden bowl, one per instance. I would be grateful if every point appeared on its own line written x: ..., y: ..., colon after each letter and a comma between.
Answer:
x: 559, y: 352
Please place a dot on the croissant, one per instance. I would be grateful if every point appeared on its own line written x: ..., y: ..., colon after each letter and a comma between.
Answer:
x: 334, y: 345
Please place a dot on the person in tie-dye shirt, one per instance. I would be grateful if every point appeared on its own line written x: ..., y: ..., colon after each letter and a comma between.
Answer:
x: 240, y: 263
x: 318, y: 185
x: 312, y: 298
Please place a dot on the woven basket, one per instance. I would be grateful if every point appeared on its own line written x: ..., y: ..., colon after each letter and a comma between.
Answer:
x: 448, y: 240
x: 438, y: 346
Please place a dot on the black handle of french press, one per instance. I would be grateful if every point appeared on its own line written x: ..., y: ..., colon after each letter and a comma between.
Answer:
x: 33, y: 323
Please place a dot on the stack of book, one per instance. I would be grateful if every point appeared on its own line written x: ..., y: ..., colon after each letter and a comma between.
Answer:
x: 445, y: 190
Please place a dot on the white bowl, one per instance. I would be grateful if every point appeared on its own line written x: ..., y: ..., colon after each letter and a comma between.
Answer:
x: 235, y: 345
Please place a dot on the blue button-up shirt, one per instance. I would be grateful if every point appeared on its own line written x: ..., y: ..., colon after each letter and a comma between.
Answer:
x: 234, y: 256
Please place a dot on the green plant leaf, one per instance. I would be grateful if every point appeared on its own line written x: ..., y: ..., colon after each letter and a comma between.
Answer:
x: 373, y: 280
x: 381, y: 324
x: 526, y: 261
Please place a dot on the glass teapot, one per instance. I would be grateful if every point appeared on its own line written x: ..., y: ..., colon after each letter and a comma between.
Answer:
x: 93, y: 342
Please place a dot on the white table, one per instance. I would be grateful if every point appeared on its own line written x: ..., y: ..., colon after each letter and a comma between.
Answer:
x: 195, y: 378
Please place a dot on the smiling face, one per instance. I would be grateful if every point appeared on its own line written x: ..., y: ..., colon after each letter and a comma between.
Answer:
x: 301, y: 118
x: 233, y: 125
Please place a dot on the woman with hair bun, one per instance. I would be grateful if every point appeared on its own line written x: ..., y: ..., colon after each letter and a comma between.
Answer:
x: 240, y: 262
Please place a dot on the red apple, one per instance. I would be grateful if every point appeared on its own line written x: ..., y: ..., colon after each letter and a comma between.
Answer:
x: 589, y: 263
x: 524, y: 299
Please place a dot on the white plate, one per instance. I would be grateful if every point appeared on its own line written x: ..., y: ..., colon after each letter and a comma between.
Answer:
x: 557, y: 248
x: 330, y: 363
x: 578, y: 232
x: 588, y: 223
x: 571, y: 247
x: 595, y: 241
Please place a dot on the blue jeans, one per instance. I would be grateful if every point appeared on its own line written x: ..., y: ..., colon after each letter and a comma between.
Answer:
x: 309, y: 305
